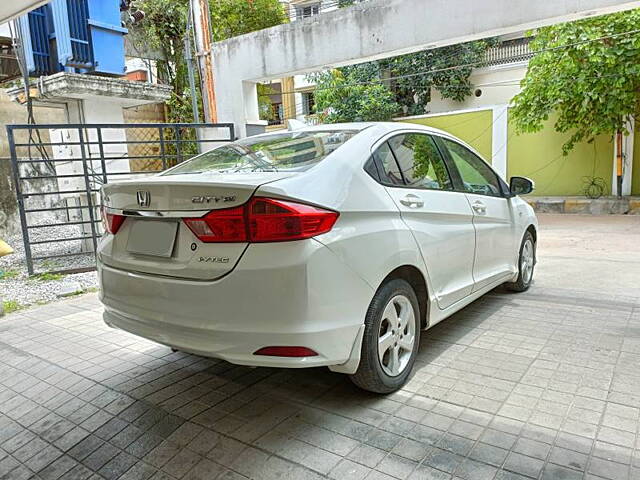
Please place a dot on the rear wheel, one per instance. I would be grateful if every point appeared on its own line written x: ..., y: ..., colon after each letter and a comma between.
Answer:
x: 391, y: 338
x: 526, y: 264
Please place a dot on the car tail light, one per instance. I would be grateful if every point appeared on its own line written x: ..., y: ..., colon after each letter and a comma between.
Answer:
x: 286, y: 352
x: 226, y: 225
x: 262, y: 220
x: 276, y: 220
x: 111, y: 221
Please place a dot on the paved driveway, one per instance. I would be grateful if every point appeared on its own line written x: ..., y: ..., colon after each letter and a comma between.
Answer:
x: 538, y: 385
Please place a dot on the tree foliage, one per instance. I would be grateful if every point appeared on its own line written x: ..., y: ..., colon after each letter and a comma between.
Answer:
x: 591, y: 83
x: 232, y: 17
x: 405, y: 82
x: 339, y: 98
x: 447, y: 71
x: 164, y: 29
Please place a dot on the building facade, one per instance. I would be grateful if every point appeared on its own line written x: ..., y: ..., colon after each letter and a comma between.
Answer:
x: 482, y: 120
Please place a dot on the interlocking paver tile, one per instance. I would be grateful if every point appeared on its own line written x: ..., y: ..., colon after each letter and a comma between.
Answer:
x: 43, y: 458
x: 536, y: 386
x: 18, y: 440
x: 569, y: 458
x: 58, y: 468
x: 443, y: 460
x: 85, y: 447
x: 473, y: 470
x: 7, y: 464
x: 99, y: 457
x: 397, y: 466
x: 140, y: 471
x: 348, y: 470
x: 367, y: 455
x: 142, y: 445
x: 489, y: 454
x: 29, y: 449
x: 117, y: 466
x: 532, y: 448
x: 205, y: 470
x: 225, y: 451
x: 524, y: 465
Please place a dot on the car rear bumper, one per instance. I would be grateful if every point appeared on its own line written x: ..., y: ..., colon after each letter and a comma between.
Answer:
x: 289, y: 294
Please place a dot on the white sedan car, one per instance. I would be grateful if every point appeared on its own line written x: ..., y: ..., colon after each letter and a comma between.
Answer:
x: 327, y: 246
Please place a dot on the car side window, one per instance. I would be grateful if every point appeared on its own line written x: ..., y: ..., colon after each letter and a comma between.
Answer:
x: 420, y: 161
x: 476, y: 175
x: 388, y: 170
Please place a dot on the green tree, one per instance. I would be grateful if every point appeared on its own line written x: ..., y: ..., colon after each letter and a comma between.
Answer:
x: 587, y: 73
x: 409, y: 78
x: 237, y: 17
x: 164, y: 29
x: 340, y: 98
x: 447, y: 70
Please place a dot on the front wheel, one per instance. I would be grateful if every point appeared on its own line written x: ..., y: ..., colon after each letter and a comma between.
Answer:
x: 526, y: 264
x: 391, y: 338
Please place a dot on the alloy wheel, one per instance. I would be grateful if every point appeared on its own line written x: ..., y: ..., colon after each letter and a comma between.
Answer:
x: 526, y: 261
x: 396, y: 336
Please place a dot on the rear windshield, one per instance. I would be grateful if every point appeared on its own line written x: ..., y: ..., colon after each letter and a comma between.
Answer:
x: 279, y: 152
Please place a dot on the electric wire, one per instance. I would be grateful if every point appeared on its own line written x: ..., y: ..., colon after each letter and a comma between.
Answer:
x: 472, y: 64
x: 18, y: 48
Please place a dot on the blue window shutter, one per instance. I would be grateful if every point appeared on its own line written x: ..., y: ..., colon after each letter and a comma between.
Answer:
x: 61, y: 26
x: 35, y: 37
x: 70, y: 18
x: 25, y: 34
x: 107, y: 36
x: 81, y: 56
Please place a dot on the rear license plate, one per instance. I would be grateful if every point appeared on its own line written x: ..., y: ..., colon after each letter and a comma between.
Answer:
x: 152, y: 237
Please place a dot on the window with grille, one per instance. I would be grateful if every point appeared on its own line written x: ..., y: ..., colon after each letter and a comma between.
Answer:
x: 305, y: 11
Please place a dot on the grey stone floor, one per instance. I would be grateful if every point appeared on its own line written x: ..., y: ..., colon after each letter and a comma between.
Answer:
x: 542, y: 385
x: 538, y: 385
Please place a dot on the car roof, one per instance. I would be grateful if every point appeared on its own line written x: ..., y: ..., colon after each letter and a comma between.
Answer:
x: 383, y: 127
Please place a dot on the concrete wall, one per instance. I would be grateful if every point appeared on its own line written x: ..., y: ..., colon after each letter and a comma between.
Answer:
x: 372, y: 30
x: 534, y: 155
x: 13, y: 113
x: 472, y: 127
x: 497, y: 85
x: 539, y: 157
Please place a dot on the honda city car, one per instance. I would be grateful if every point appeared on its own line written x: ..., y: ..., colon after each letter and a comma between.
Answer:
x: 333, y: 245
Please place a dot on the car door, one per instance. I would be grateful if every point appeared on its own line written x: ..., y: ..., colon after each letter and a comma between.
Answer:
x: 416, y: 177
x: 492, y: 213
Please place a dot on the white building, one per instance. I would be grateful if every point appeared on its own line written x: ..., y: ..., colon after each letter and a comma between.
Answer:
x: 494, y: 83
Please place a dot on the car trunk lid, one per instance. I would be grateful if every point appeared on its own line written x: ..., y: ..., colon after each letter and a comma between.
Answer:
x: 154, y: 239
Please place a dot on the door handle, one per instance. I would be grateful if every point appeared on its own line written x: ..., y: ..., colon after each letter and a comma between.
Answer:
x: 412, y: 201
x: 479, y: 207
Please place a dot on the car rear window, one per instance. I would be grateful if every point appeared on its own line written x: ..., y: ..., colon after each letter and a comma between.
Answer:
x: 279, y: 152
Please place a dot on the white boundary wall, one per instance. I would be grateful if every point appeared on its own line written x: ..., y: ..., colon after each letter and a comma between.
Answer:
x: 373, y: 30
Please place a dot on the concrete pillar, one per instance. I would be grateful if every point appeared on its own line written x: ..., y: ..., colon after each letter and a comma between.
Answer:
x: 88, y: 111
x: 499, y: 137
x: 627, y: 166
x: 288, y: 99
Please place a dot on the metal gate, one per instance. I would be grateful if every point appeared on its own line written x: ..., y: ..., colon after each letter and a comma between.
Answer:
x: 58, y: 170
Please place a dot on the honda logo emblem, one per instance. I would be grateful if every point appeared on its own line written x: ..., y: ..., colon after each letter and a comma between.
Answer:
x: 144, y: 198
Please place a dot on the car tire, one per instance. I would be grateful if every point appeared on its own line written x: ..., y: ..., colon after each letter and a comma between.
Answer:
x: 526, y: 265
x: 391, y: 338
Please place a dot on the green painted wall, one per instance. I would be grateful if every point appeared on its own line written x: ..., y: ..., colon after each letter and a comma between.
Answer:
x: 635, y: 173
x: 539, y: 157
x: 475, y: 128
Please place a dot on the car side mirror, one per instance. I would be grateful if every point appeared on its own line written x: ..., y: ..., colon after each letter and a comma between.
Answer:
x: 521, y: 186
